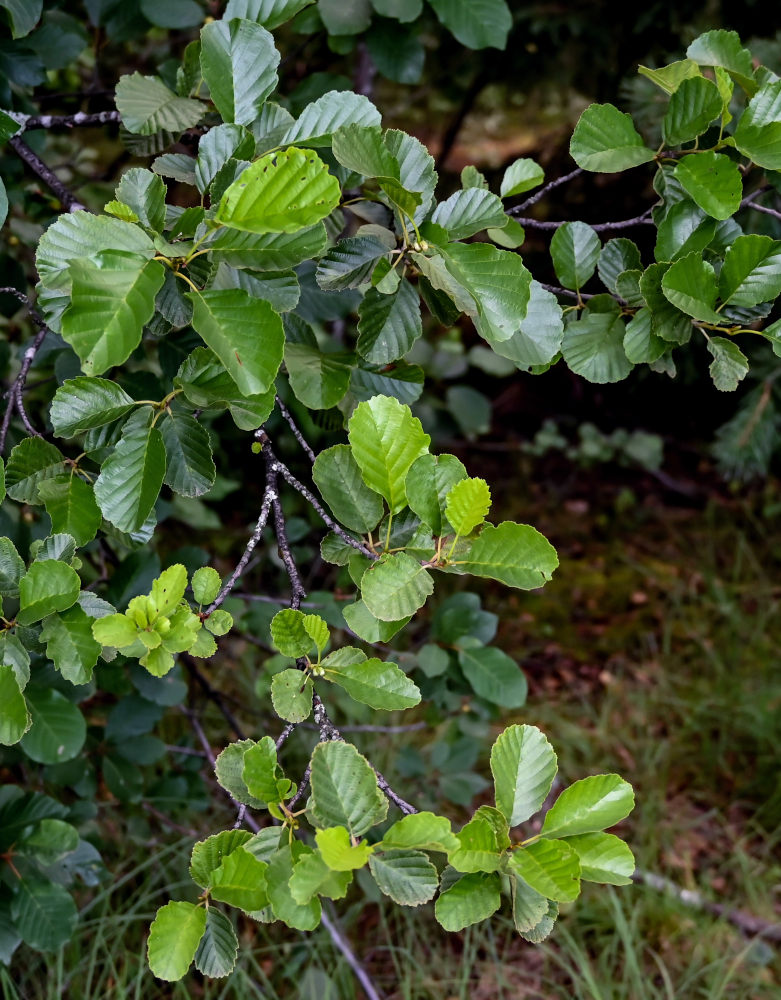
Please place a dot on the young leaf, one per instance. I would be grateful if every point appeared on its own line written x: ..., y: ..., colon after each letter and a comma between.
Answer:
x: 396, y: 587
x: 713, y: 181
x: 605, y: 141
x: 603, y: 858
x: 317, y: 630
x: 589, y: 805
x: 372, y: 682
x: 386, y: 439
x: 143, y: 192
x: 130, y: 478
x: 408, y: 877
x: 239, y: 64
x: 429, y: 480
x: 493, y: 675
x: 338, y: 852
x: 575, y: 249
x: 729, y: 365
x: 467, y: 505
x: 173, y: 939
x: 83, y: 402
x: 550, y: 867
x: 291, y: 695
x: 281, y: 869
x: 282, y: 192
x: 515, y: 554
x: 48, y: 586
x: 338, y: 478
x: 523, y: 765
x: 478, y: 849
x: 344, y: 789
x: 471, y: 899
x: 217, y: 950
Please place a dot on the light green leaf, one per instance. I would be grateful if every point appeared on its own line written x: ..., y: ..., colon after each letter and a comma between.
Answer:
x: 714, y: 182
x: 593, y: 347
x: 190, y: 468
x: 478, y: 849
x: 367, y: 627
x: 729, y: 365
x: 282, y: 192
x: 529, y: 906
x: 240, y: 881
x: 423, y: 831
x: 429, y: 480
x: 14, y: 718
x: 48, y: 586
x: 115, y: 630
x: 575, y: 250
x: 282, y: 865
x: 291, y: 695
x: 471, y: 899
x: 338, y: 852
x: 239, y: 64
x: 603, y: 858
x: 522, y: 175
x: 515, y: 554
x: 173, y: 939
x: 693, y: 106
x: 344, y: 789
x: 758, y: 133
x: 245, y: 333
x: 148, y: 106
x: 262, y: 775
x: 130, y: 478
x: 113, y: 298
x: 312, y: 877
x: 395, y: 587
x: 751, y: 272
x: 58, y: 729
x: 524, y: 765
x: 538, y: 339
x: 493, y: 675
x: 228, y: 769
x: 467, y: 505
x: 70, y: 644
x: 605, y: 140
x: 167, y: 591
x: 289, y: 634
x: 388, y: 325
x: 690, y: 285
x: 338, y: 478
x: 44, y: 914
x: 670, y: 77
x: 408, y: 877
x: 317, y: 630
x: 589, y: 805
x: 84, y: 402
x: 322, y: 118
x: 468, y: 212
x: 477, y: 24
x: 386, y: 439
x: 372, y: 682
x: 498, y: 282
x: 70, y: 503
x: 550, y: 867
x: 216, y: 954
x: 207, y: 855
x: 723, y: 48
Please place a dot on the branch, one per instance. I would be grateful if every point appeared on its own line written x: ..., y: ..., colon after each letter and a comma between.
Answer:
x: 68, y: 121
x: 343, y: 945
x: 544, y: 190
x: 639, y: 220
x: 296, y: 432
x: 69, y: 200
x: 767, y: 211
x: 567, y: 291
x: 14, y: 393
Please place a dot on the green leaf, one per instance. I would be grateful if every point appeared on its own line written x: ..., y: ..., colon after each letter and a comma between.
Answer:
x: 493, y: 675
x: 603, y: 858
x: 538, y: 339
x: 312, y: 877
x: 291, y: 695
x: 372, y: 682
x: 345, y: 17
x: 386, y: 439
x: 245, y: 333
x: 70, y: 503
x: 130, y: 478
x: 58, y: 729
x: 429, y: 481
x: 693, y: 106
x: 349, y: 263
x: 396, y: 51
x: 113, y: 298
x: 498, y: 282
x: 423, y: 831
x: 667, y: 322
x: 190, y: 467
x: 318, y: 631
x: 477, y: 24
x: 467, y: 505
x: 468, y: 212
x: 751, y: 272
x: 690, y: 285
x: 471, y: 899
x: 269, y: 251
x: 30, y: 463
x: 217, y: 950
x: 478, y: 849
x: 289, y: 634
x: 529, y: 906
x: 239, y: 64
x: 593, y: 346
x: 115, y: 630
x: 524, y: 765
x: 262, y: 775
x: 207, y: 855
x: 361, y: 148
x: 515, y: 554
x: 70, y: 644
x: 269, y: 13
x: 367, y: 627
x: 44, y: 914
x: 388, y: 325
x: 640, y: 344
x: 395, y: 587
x: 173, y: 939
x: 48, y: 586
x: 282, y: 192
x: 540, y: 931
x: 522, y: 175
x: 714, y: 182
x: 318, y: 380
x: 758, y: 133
x: 344, y: 789
x: 23, y: 15
x: 240, y: 881
x: 670, y: 77
x: 206, y: 584
x: 14, y: 718
x: 550, y: 867
x: 408, y: 877
x: 319, y: 120
x: 605, y: 141
x: 338, y: 478
x: 589, y: 805
x: 144, y: 194
x: 402, y: 10
x: 167, y: 591
x: 282, y: 866
x: 84, y: 402
x: 338, y: 852
x: 729, y: 364
x: 228, y: 768
x: 575, y: 249
x: 148, y: 106
x: 217, y: 147
x: 617, y: 255
x: 723, y: 48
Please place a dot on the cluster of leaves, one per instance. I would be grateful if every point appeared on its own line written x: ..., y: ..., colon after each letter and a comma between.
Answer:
x: 274, y: 875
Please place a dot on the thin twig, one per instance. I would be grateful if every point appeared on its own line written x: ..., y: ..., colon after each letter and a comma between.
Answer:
x: 69, y: 121
x: 15, y: 400
x: 69, y: 200
x: 343, y: 945
x: 767, y: 211
x: 268, y: 498
x: 533, y: 199
x: 566, y: 291
x: 639, y: 220
x: 294, y: 428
